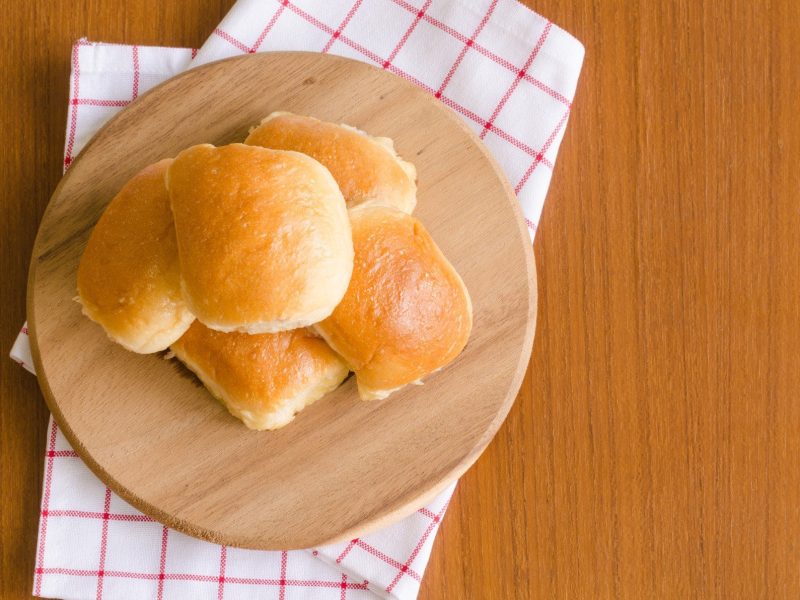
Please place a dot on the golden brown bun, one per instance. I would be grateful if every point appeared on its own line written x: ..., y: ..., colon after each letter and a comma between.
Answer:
x: 263, y: 237
x: 366, y: 168
x: 263, y: 379
x: 406, y: 313
x: 128, y: 277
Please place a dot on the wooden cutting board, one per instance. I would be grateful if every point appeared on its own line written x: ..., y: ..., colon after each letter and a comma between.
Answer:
x: 150, y: 431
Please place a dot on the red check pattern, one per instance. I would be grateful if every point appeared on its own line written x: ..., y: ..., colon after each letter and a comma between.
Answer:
x: 135, y: 556
x: 509, y: 73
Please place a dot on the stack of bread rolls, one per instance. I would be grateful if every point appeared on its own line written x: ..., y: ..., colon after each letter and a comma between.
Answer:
x: 274, y: 268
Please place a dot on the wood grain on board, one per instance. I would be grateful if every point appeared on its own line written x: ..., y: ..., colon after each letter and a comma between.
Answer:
x: 344, y: 467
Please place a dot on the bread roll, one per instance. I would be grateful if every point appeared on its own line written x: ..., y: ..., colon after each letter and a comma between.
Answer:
x: 263, y: 237
x: 366, y: 168
x: 128, y: 276
x: 263, y: 379
x: 406, y: 313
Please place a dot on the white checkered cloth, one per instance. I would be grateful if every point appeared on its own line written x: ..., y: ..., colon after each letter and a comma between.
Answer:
x: 508, y: 72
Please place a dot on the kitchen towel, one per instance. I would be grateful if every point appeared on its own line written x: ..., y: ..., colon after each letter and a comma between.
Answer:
x: 509, y: 73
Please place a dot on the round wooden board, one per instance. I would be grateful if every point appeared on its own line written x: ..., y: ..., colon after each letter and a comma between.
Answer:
x: 343, y: 467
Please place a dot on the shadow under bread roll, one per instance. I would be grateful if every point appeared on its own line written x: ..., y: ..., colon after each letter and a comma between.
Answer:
x: 128, y: 276
x: 406, y: 314
x: 263, y: 237
x: 263, y: 379
x: 366, y: 168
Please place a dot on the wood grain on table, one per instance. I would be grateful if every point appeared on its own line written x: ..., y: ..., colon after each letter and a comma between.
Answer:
x: 653, y: 451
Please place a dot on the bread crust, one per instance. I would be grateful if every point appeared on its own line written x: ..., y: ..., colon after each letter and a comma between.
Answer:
x: 128, y: 275
x: 407, y: 312
x: 264, y: 379
x: 366, y: 168
x: 263, y: 237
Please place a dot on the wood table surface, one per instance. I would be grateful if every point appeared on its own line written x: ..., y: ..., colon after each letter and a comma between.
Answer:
x: 654, y: 450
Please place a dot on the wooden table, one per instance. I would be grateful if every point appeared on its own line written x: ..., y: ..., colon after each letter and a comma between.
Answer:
x: 654, y: 450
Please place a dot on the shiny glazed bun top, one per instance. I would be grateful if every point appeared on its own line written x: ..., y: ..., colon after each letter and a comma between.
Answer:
x: 263, y: 237
x: 406, y: 313
x: 366, y: 168
x: 128, y: 276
